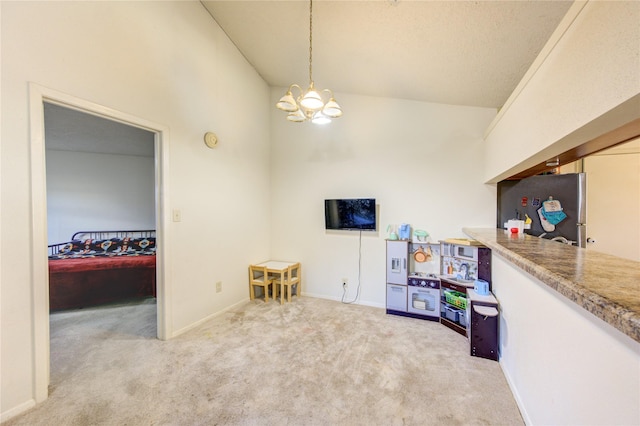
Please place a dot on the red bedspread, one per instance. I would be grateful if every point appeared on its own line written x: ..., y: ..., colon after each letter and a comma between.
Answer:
x: 79, y: 283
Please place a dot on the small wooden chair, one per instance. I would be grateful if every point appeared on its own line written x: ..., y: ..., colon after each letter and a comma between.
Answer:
x: 291, y: 278
x: 258, y: 276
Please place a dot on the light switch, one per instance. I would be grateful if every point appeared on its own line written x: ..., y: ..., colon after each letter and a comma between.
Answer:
x: 177, y: 215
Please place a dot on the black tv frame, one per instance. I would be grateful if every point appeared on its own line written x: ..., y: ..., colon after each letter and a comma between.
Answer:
x: 339, y: 214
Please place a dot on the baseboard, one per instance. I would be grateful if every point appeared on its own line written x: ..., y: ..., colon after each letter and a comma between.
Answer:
x: 243, y: 301
x: 207, y: 318
x: 15, y: 411
x: 514, y: 390
x: 339, y: 299
x: 516, y: 395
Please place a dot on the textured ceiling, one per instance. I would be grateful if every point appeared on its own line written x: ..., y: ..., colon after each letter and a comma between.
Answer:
x: 453, y: 52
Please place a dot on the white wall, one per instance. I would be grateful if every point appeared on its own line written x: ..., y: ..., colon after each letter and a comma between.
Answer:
x: 613, y: 184
x: 564, y: 365
x: 92, y: 191
x: 165, y: 62
x: 420, y: 161
x: 584, y: 84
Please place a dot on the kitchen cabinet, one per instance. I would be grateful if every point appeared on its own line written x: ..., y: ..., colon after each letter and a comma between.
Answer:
x: 396, y: 298
x: 424, y: 258
x: 411, y: 291
x: 397, y: 276
x: 483, y: 317
x: 460, y: 265
x: 397, y: 261
x: 453, y: 305
x: 465, y: 263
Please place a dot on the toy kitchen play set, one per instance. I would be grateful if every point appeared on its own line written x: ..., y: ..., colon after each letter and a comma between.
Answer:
x: 447, y: 281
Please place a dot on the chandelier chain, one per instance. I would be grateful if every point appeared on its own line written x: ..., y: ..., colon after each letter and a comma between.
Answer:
x: 310, y: 41
x: 317, y: 106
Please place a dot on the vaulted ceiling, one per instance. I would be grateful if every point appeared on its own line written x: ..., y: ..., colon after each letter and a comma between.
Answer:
x: 453, y: 52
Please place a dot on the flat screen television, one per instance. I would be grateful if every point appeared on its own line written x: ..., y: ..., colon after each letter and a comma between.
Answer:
x: 354, y: 214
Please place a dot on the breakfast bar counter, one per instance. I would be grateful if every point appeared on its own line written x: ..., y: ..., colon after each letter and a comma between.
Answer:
x: 604, y: 285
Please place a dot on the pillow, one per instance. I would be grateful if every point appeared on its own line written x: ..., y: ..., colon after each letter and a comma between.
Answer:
x: 124, y: 247
x: 74, y: 246
x: 144, y: 245
x: 105, y: 246
x: 88, y: 247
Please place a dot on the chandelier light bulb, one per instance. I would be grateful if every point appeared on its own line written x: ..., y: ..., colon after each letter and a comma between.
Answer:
x: 287, y: 103
x: 312, y: 99
x: 332, y: 109
x: 320, y: 118
x: 297, y: 116
x: 309, y: 105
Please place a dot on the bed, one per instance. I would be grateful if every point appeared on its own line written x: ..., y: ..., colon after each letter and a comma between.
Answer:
x: 101, y: 267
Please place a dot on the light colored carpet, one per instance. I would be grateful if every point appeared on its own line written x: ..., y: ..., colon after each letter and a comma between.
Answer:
x: 309, y: 362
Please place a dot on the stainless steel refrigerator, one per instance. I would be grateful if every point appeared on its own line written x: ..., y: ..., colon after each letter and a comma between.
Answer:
x: 563, y: 219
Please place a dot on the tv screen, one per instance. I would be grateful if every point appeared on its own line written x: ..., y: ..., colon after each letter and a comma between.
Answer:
x: 350, y: 214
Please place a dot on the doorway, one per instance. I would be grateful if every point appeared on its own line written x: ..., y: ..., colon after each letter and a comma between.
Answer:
x: 613, y: 200
x: 39, y: 96
x: 100, y: 174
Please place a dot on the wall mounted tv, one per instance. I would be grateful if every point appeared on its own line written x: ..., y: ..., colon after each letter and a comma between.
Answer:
x: 355, y: 214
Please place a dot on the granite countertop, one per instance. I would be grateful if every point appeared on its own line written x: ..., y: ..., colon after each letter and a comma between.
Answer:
x: 605, y: 285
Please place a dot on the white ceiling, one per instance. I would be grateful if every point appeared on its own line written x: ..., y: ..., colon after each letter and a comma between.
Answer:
x: 453, y: 52
x: 67, y: 129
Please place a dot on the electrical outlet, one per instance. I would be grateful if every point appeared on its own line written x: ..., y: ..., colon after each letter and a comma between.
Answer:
x: 218, y: 286
x: 345, y: 283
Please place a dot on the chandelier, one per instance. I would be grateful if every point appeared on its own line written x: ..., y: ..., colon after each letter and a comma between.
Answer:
x: 319, y: 106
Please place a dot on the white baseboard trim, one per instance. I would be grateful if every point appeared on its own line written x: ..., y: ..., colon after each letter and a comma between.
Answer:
x: 516, y: 395
x: 339, y: 299
x: 243, y: 301
x: 207, y: 318
x: 19, y: 409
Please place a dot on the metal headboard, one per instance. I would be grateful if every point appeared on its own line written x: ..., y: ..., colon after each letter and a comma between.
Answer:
x: 102, y: 235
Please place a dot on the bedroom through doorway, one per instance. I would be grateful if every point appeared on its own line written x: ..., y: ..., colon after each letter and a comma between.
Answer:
x: 39, y: 97
x: 100, y: 210
x: 100, y: 176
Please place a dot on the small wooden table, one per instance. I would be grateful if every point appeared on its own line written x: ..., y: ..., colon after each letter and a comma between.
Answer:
x: 277, y: 267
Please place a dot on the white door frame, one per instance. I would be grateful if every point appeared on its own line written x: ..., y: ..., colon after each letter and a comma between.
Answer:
x: 40, y: 272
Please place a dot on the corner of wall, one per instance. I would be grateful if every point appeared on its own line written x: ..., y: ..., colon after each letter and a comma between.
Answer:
x: 572, y: 93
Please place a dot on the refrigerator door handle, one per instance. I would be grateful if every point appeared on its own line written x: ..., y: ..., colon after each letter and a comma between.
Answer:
x: 582, y: 235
